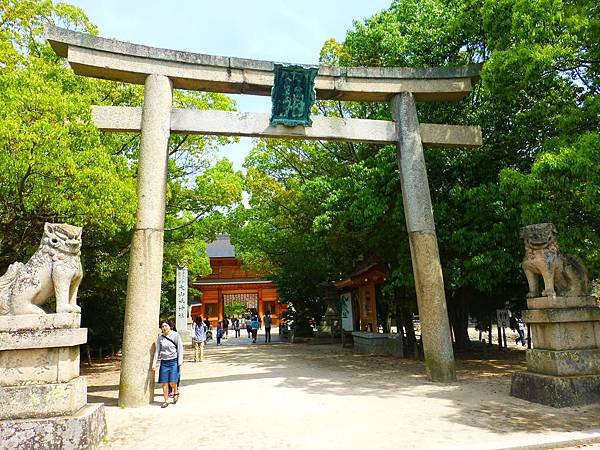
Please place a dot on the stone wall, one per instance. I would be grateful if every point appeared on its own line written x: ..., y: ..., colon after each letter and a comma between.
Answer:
x: 383, y: 344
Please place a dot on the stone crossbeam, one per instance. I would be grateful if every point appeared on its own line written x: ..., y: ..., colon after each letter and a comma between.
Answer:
x: 228, y: 123
x: 131, y: 63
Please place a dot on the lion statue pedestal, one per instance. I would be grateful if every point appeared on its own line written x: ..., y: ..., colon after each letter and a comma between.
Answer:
x: 563, y: 368
x: 43, y: 400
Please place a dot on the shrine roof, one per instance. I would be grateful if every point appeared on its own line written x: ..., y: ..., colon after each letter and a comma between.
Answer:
x: 220, y: 248
x: 216, y: 281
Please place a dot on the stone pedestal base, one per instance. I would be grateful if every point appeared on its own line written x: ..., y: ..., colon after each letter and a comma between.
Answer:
x: 378, y: 343
x: 43, y: 400
x: 42, y: 397
x: 563, y: 369
x: 83, y: 430
x: 558, y: 392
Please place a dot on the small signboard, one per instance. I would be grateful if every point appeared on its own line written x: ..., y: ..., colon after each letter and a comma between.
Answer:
x: 346, y: 310
x: 502, y: 316
x: 293, y: 95
x: 181, y: 300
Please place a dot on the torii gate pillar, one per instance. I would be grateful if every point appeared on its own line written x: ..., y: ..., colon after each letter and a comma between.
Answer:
x: 136, y: 387
x: 427, y: 269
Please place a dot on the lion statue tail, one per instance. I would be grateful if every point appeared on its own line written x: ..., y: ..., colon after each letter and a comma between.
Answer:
x: 6, y: 282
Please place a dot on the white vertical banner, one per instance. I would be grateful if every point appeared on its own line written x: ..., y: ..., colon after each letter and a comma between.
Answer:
x: 346, y: 310
x: 181, y: 300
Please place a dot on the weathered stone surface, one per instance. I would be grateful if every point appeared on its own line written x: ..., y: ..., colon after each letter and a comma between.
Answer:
x: 560, y: 315
x: 42, y: 338
x: 41, y: 365
x: 563, y: 275
x: 131, y: 63
x: 564, y: 362
x: 558, y: 392
x: 378, y: 343
x: 561, y: 302
x: 231, y: 123
x: 146, y: 257
x: 39, y: 321
x: 42, y: 400
x: 427, y: 269
x: 565, y: 335
x: 564, y: 328
x: 83, y: 430
x: 55, y: 269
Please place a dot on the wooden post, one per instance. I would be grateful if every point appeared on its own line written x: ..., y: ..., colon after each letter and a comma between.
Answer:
x: 427, y: 270
x: 142, y: 307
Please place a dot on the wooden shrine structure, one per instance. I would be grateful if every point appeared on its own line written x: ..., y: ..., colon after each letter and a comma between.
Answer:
x: 229, y: 282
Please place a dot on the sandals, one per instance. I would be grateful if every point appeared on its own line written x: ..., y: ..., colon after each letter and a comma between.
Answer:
x: 175, y: 398
x: 164, y: 405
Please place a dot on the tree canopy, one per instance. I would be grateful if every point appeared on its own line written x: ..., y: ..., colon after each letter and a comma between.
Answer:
x: 57, y: 167
x: 319, y: 209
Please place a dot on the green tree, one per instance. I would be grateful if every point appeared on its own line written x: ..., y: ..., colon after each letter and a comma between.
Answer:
x: 537, y: 98
x: 55, y: 166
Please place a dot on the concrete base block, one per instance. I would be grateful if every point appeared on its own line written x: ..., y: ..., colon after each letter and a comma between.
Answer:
x: 39, y: 321
x: 561, y: 302
x: 564, y: 328
x: 378, y: 343
x: 558, y: 392
x: 38, y: 365
x: 83, y: 430
x: 565, y: 362
x: 42, y: 400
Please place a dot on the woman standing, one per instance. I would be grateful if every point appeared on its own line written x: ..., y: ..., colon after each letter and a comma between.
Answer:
x: 199, y: 339
x: 169, y: 350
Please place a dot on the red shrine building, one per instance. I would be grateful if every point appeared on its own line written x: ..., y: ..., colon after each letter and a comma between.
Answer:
x: 229, y: 283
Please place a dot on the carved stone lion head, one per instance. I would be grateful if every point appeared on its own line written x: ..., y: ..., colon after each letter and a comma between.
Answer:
x: 62, y: 237
x: 539, y: 235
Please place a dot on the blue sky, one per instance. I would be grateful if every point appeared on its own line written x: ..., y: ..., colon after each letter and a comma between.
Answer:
x: 274, y: 30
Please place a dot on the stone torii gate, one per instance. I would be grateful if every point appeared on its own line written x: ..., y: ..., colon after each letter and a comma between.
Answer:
x: 160, y: 71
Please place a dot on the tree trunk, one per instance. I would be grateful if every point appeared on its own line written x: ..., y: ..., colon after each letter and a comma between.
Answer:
x: 459, y: 319
x: 88, y: 354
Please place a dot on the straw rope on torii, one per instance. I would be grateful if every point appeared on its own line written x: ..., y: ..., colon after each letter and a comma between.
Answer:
x: 162, y: 70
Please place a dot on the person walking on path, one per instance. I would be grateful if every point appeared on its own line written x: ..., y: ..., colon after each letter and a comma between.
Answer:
x: 226, y: 326
x: 521, y: 331
x: 169, y: 351
x: 249, y: 326
x: 236, y: 327
x: 254, y: 325
x: 267, y: 324
x: 199, y: 339
x: 219, y: 332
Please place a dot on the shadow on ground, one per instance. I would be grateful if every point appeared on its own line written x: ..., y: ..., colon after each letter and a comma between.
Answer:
x: 479, y: 398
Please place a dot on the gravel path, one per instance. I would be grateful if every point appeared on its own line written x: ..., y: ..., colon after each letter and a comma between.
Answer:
x: 299, y: 396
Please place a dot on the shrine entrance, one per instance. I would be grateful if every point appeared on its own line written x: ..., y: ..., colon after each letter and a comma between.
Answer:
x: 230, y: 284
x: 160, y: 71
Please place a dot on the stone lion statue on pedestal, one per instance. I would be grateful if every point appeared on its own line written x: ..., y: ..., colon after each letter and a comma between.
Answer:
x: 564, y: 275
x: 54, y: 269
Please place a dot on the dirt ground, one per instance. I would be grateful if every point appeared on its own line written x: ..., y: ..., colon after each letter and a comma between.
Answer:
x: 297, y: 396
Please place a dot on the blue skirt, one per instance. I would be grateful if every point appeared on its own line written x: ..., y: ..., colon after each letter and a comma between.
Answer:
x: 169, y: 371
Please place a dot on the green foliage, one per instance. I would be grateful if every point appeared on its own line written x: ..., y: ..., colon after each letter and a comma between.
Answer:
x: 320, y: 209
x: 235, y: 309
x: 55, y: 166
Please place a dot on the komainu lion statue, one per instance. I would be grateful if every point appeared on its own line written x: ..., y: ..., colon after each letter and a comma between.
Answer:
x: 55, y: 268
x: 563, y: 275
